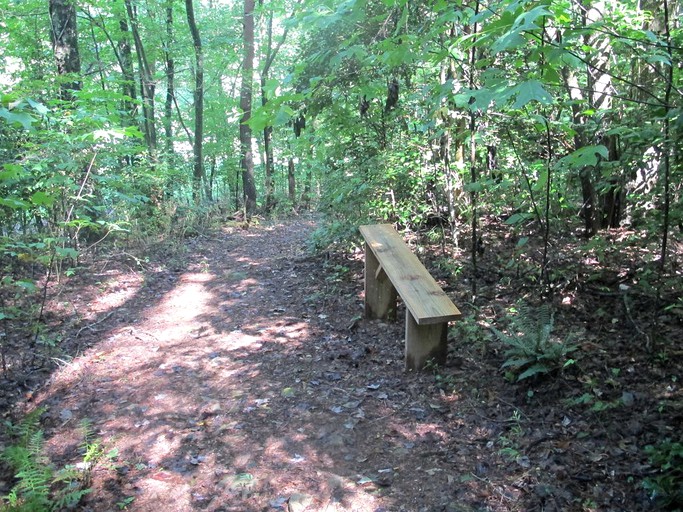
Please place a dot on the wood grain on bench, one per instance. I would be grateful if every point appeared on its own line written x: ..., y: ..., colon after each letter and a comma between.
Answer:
x: 422, y: 295
x: 391, y: 269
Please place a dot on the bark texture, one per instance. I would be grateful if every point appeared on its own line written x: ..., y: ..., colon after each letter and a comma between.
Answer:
x: 64, y: 36
x: 198, y: 174
x: 246, y: 92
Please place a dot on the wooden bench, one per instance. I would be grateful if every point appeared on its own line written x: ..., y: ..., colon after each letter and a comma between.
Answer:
x: 391, y: 269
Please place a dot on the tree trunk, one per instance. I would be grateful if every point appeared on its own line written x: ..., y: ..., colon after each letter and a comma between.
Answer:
x: 308, y: 186
x: 197, y: 145
x: 291, y: 181
x: 268, y: 130
x: 170, y: 79
x: 147, y: 84
x: 454, y: 185
x: 271, y: 53
x: 211, y: 179
x: 474, y: 173
x: 602, y: 206
x: 126, y: 63
x: 269, y: 167
x: 247, y: 160
x: 64, y: 37
x: 98, y: 58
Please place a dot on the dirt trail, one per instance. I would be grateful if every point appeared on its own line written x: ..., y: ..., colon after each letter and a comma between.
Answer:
x: 238, y: 375
x: 229, y: 389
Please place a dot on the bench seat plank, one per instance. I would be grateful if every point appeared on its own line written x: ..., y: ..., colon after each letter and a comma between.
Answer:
x: 422, y: 295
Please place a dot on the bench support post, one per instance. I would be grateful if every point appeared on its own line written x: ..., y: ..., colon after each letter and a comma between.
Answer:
x: 424, y: 343
x: 380, y: 294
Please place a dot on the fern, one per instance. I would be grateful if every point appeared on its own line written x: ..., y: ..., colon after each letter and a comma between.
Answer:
x: 31, y: 467
x: 532, y: 351
x: 40, y: 487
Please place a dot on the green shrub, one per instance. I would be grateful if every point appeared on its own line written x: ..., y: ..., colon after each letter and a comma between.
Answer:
x: 39, y: 485
x: 532, y: 350
x: 666, y: 487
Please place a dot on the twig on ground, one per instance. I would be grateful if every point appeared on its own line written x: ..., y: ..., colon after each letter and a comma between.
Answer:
x: 90, y: 326
x: 627, y: 308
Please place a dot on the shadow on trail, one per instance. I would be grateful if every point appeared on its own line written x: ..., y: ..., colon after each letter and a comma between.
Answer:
x: 225, y: 394
x: 246, y: 381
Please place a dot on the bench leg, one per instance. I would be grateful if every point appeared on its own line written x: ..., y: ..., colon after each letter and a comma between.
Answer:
x: 424, y: 343
x: 380, y: 294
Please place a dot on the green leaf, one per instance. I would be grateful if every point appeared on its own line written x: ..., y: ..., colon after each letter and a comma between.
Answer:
x: 42, y: 199
x: 38, y: 107
x: 14, y: 203
x: 288, y: 393
x: 66, y: 252
x: 260, y: 118
x: 271, y: 86
x: 531, y: 90
x: 23, y: 119
x: 522, y: 241
x: 518, y: 218
x: 527, y: 20
x: 108, y: 135
x: 133, y: 131
x: 512, y: 39
x: 658, y: 59
x: 517, y: 363
x: 474, y: 187
x: 533, y: 370
x: 27, y: 285
x: 584, y: 157
x: 11, y: 172
x: 284, y: 115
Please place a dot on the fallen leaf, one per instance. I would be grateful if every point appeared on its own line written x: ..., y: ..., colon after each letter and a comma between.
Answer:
x: 278, y: 502
x: 299, y: 502
x: 297, y: 458
x: 239, y: 481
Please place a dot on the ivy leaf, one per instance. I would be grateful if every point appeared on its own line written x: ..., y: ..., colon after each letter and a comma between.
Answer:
x: 531, y: 90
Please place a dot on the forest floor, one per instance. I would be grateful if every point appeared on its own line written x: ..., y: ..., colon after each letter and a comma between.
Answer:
x: 235, y: 373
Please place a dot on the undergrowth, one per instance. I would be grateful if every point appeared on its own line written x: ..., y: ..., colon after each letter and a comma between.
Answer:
x: 665, y: 487
x: 532, y: 350
x: 40, y: 486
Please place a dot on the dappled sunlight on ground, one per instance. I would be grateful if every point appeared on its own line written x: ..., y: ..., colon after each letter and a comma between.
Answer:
x: 244, y: 378
x: 192, y: 396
